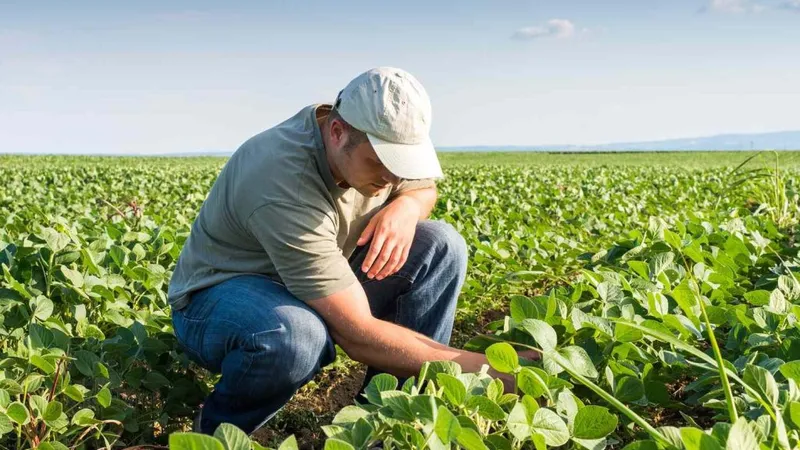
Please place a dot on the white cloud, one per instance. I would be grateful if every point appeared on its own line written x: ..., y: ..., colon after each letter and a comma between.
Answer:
x: 557, y: 28
x: 791, y: 5
x: 734, y: 6
x: 186, y: 15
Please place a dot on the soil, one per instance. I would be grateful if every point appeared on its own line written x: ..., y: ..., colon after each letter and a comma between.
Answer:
x: 312, y: 407
x: 315, y: 405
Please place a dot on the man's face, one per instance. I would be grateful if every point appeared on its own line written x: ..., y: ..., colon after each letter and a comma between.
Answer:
x: 362, y: 170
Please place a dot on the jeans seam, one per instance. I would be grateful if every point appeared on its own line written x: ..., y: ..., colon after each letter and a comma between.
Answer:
x: 202, y: 361
x: 395, y: 275
x: 249, y: 356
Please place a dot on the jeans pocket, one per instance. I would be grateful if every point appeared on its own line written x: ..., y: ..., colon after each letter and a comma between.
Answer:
x: 186, y: 334
x: 201, y: 304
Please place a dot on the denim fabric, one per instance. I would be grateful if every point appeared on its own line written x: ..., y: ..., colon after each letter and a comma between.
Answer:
x: 267, y: 343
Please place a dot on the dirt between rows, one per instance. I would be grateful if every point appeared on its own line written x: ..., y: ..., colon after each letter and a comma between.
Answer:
x: 315, y: 405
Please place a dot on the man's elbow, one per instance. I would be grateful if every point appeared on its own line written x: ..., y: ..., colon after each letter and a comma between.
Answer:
x: 356, y: 349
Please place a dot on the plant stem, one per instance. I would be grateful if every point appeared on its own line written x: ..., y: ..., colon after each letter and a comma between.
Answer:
x: 723, y: 377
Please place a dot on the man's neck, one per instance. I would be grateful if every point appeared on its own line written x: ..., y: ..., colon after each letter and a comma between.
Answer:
x: 322, y: 123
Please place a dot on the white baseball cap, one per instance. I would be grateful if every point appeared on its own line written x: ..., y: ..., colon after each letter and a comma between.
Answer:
x: 393, y: 109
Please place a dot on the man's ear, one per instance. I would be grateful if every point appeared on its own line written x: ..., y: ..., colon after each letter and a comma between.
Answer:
x: 338, y: 133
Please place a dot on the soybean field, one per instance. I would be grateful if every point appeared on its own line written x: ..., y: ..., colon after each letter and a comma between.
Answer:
x: 661, y: 289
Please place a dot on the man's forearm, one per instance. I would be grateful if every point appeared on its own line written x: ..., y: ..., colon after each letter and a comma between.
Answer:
x: 384, y: 345
x: 424, y: 198
x: 394, y: 349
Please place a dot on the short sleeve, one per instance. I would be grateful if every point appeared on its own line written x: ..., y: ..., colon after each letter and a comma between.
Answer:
x: 410, y: 185
x: 300, y: 241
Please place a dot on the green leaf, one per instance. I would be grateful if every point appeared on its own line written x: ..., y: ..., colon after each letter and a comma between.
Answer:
x: 624, y: 333
x: 499, y: 442
x: 379, y: 383
x: 471, y: 440
x: 55, y: 240
x: 14, y: 284
x: 696, y: 439
x: 362, y: 431
x: 84, y: 418
x: 153, y: 380
x: 74, y: 277
x: 531, y: 383
x: 336, y: 444
x: 349, y: 414
x: 742, y: 437
x: 42, y: 307
x: 454, y: 390
x: 10, y: 387
x: 424, y: 408
x: 641, y: 445
x: 549, y: 424
x: 659, y: 263
x: 502, y: 357
x: 573, y: 357
x: 641, y: 268
x: 104, y: 397
x: 52, y: 446
x: 336, y: 432
x: 399, y: 403
x: 75, y: 392
x: 85, y: 362
x: 762, y: 381
x: 684, y: 295
x: 494, y: 390
x: 5, y: 399
x: 407, y: 434
x: 93, y: 331
x: 193, y: 441
x: 523, y: 308
x: 791, y: 370
x: 629, y: 389
x: 6, y: 426
x: 52, y: 412
x: 593, y: 422
x: 757, y: 298
x: 44, y: 365
x: 519, y: 421
x: 485, y: 407
x: 542, y: 332
x: 36, y: 405
x: 18, y: 413
x: 232, y: 438
x: 610, y: 293
x: 793, y: 413
x: 429, y: 370
x: 447, y: 426
x: 289, y: 443
x: 673, y: 239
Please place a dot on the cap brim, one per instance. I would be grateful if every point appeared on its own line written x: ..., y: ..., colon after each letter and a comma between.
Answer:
x: 408, y: 161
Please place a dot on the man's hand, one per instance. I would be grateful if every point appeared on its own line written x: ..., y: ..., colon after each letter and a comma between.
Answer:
x: 392, y: 232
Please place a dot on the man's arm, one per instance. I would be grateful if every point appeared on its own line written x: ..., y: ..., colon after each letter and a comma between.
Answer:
x: 424, y: 198
x: 384, y: 345
x: 392, y: 231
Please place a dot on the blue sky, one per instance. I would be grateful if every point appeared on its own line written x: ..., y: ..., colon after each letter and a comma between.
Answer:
x: 158, y: 77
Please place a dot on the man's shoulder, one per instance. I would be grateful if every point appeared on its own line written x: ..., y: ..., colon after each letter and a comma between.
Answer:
x: 278, y: 165
x: 296, y: 130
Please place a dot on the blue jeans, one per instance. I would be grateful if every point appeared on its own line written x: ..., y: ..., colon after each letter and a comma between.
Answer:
x: 267, y: 343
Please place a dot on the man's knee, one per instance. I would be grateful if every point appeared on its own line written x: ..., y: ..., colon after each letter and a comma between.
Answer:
x: 295, y: 350
x: 444, y: 241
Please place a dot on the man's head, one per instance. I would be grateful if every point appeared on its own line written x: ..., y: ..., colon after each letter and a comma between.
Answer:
x: 378, y: 131
x: 352, y: 158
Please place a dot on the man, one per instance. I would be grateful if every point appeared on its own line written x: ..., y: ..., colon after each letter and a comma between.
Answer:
x: 315, y: 233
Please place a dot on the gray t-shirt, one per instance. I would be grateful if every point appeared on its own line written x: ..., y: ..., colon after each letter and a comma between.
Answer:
x: 276, y: 210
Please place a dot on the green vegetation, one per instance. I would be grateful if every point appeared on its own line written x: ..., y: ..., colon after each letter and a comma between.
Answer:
x: 661, y: 289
